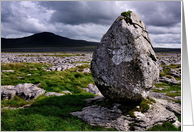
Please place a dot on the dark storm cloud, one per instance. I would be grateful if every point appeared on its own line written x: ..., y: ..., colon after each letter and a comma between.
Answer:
x: 160, y: 13
x: 89, y: 20
x: 80, y: 12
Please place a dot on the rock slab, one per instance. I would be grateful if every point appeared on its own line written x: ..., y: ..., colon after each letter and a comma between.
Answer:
x: 27, y: 91
x: 124, y: 64
x: 113, y: 117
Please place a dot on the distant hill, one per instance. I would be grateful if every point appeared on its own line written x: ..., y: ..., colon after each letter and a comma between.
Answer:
x: 167, y: 49
x: 44, y: 39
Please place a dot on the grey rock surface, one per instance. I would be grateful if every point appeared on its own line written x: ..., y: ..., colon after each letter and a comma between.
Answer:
x: 27, y: 91
x: 7, y: 94
x: 113, y: 118
x: 42, y: 58
x: 124, y: 64
x: 62, y: 67
x: 7, y: 70
x: 92, y: 89
x: 67, y: 92
x: 171, y: 80
x: 53, y: 94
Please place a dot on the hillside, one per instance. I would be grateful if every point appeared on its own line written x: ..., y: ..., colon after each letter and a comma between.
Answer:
x: 44, y: 39
x: 46, y: 42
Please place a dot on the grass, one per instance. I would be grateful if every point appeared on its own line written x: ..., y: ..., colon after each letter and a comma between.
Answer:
x: 15, y: 102
x: 168, y: 88
x: 127, y: 14
x: 53, y: 81
x: 53, y: 113
x: 173, y: 66
x: 166, y: 126
x: 49, y: 114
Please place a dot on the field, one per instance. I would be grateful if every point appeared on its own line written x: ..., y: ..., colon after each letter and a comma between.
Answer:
x: 52, y: 113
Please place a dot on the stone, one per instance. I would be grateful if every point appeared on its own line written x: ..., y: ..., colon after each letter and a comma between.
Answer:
x: 164, y: 62
x: 7, y: 71
x: 170, y: 80
x: 28, y: 91
x: 7, y: 94
x: 92, y: 89
x: 124, y: 66
x: 67, y: 92
x: 86, y: 70
x: 53, y: 94
x: 113, y: 118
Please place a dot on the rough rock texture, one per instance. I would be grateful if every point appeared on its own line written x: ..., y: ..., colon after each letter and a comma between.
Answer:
x: 170, y: 80
x: 124, y: 64
x: 7, y: 93
x: 27, y: 91
x: 14, y: 58
x: 113, y: 118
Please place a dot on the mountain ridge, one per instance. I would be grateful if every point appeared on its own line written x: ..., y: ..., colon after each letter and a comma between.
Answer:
x: 44, y: 39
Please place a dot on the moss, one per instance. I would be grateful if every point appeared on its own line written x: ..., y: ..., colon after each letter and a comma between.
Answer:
x: 127, y: 14
x: 173, y: 66
x: 152, y: 100
x: 144, y: 105
x: 168, y: 76
x: 162, y: 74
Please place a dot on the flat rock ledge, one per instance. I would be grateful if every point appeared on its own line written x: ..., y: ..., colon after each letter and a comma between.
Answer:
x: 159, y: 112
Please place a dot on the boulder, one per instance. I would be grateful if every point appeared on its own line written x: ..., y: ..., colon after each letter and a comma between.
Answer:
x: 124, y: 64
x: 28, y: 91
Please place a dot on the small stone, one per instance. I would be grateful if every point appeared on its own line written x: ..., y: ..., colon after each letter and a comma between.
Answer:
x: 53, y: 94
x: 176, y: 124
x: 7, y: 71
x: 67, y: 92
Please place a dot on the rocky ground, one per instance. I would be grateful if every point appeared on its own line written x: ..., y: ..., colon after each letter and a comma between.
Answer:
x: 161, y: 110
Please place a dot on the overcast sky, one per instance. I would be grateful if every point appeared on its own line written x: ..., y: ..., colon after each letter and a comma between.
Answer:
x: 89, y: 20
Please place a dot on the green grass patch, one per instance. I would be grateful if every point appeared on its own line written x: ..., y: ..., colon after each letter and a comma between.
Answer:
x: 173, y: 66
x: 53, y: 81
x: 166, y: 126
x: 150, y: 99
x: 49, y: 114
x: 168, y: 87
x: 14, y: 102
x: 127, y: 14
x: 178, y: 93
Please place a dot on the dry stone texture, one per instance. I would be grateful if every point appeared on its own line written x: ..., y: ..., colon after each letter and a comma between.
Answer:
x: 124, y: 64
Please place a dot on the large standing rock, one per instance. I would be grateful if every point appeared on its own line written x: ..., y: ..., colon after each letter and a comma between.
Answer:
x: 124, y: 64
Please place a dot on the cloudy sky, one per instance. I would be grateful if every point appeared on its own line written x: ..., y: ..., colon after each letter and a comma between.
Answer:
x: 89, y: 20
